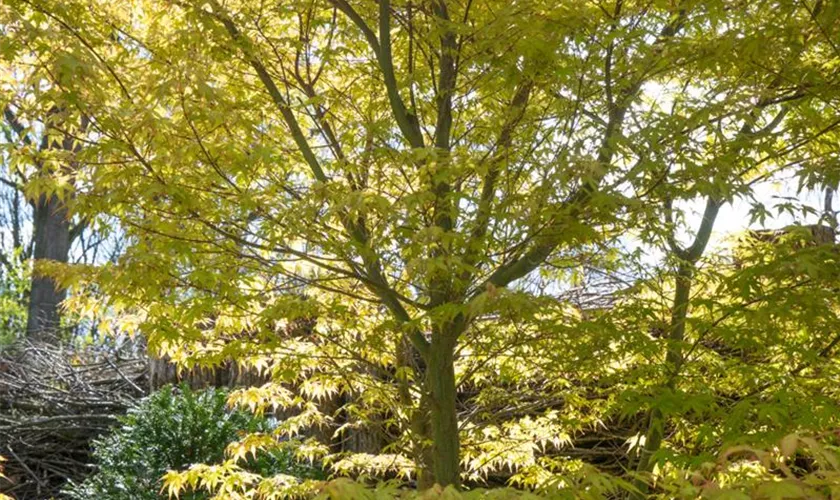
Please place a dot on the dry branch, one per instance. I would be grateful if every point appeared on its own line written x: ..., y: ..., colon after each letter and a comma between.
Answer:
x: 53, y: 401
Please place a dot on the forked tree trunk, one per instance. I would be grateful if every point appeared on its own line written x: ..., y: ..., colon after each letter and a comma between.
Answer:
x: 674, y: 356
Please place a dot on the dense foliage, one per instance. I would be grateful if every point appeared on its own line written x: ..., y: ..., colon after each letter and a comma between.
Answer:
x: 172, y: 429
x: 463, y: 243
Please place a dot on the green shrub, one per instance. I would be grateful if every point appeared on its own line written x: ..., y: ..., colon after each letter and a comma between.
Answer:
x: 172, y: 429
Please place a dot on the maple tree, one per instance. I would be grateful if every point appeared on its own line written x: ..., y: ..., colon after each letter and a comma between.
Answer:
x: 434, y: 183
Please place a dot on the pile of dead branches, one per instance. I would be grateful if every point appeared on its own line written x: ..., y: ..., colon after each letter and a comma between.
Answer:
x: 54, y: 400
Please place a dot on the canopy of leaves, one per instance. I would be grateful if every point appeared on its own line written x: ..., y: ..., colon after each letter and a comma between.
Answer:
x: 466, y: 222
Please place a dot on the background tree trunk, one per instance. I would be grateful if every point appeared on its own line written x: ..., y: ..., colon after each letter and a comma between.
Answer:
x: 51, y: 242
x: 52, y: 233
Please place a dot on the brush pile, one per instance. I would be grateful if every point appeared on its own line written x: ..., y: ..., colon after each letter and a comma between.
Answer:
x: 54, y: 400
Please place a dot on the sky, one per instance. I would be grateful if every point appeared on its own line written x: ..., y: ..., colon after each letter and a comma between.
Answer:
x: 734, y: 218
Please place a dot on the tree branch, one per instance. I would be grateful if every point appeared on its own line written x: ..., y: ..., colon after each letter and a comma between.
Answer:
x: 381, y: 47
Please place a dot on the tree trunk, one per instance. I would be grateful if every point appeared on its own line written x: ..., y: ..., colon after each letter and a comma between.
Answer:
x: 443, y: 417
x: 673, y: 362
x: 51, y: 242
x: 420, y: 428
x: 52, y: 230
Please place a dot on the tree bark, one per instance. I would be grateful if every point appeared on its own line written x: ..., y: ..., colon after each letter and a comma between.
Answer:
x: 674, y: 356
x: 673, y: 360
x: 443, y: 416
x: 52, y: 233
x: 51, y: 243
